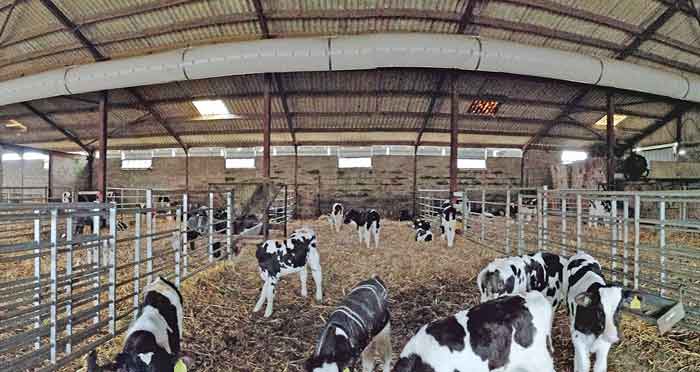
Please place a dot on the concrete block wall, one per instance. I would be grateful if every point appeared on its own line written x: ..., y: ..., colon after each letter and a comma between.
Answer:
x: 68, y: 173
x: 25, y: 173
x: 387, y: 186
x: 587, y: 174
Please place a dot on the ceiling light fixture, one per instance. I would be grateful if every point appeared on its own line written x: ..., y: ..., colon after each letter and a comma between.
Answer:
x: 484, y: 107
x: 603, y: 122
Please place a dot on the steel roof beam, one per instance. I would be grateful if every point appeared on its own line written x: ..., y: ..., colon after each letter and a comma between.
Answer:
x: 72, y: 137
x: 677, y: 112
x: 262, y: 22
x: 98, y: 56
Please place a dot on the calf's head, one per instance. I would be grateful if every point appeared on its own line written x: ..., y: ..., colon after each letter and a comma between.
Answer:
x: 335, y: 350
x: 157, y: 361
x: 494, y: 284
x: 598, y: 311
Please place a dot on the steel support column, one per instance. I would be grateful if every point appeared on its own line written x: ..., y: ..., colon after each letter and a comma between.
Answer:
x: 187, y: 170
x: 266, y: 124
x: 610, y: 169
x: 454, y: 134
x: 415, y: 179
x: 296, y: 175
x: 679, y: 131
x: 102, y: 169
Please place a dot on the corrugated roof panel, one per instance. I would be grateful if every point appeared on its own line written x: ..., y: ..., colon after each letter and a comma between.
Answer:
x: 300, y: 27
x: 44, y: 63
x: 528, y: 111
x: 673, y: 53
x: 176, y: 109
x: 309, y: 5
x: 682, y: 28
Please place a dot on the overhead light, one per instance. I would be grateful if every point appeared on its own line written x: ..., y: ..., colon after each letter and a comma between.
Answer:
x: 211, y: 107
x: 682, y: 152
x: 483, y: 107
x: 14, y: 124
x: 617, y: 119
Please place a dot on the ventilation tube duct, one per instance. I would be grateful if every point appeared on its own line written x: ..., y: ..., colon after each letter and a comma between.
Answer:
x: 350, y: 53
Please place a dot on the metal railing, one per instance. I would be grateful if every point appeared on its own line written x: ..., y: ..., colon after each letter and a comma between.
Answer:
x: 24, y: 194
x: 70, y: 280
x: 648, y: 241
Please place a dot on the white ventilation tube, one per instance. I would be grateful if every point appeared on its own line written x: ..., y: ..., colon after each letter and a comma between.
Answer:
x: 350, y: 53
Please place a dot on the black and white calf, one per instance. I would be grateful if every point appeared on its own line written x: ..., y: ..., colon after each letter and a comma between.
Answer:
x: 423, y: 233
x: 594, y: 312
x: 508, y: 334
x: 367, y: 222
x: 542, y: 272
x: 448, y: 223
x: 359, y: 327
x: 153, y: 340
x: 277, y: 259
x: 598, y: 210
x: 336, y: 217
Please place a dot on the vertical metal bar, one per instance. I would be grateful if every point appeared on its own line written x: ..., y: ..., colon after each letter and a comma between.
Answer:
x: 563, y: 225
x: 53, y: 333
x: 540, y: 227
x: 465, y: 212
x: 112, y: 270
x: 545, y: 218
x: 211, y: 227
x: 507, y: 227
x: 96, y: 262
x: 137, y: 262
x: 102, y: 168
x: 178, y: 248
x: 579, y: 226
x: 610, y: 129
x: 37, y: 275
x: 69, y: 284
x: 285, y: 210
x: 614, y: 237
x: 149, y: 234
x: 637, y: 205
x: 267, y: 108
x: 625, y: 233
x: 185, y: 228
x: 454, y: 137
x: 662, y: 244
x: 521, y: 227
x: 229, y: 224
x: 415, y: 182
x: 483, y: 215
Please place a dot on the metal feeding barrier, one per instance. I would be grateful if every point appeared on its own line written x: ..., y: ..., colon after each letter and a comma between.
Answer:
x: 24, y: 194
x: 71, y: 280
x: 647, y: 241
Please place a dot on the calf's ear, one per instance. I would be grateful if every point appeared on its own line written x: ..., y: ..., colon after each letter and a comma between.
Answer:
x: 583, y: 299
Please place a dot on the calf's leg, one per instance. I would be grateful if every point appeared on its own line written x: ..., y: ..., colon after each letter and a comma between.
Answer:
x: 263, y: 291
x: 582, y: 361
x: 314, y: 263
x: 270, y: 294
x: 601, y: 358
x: 302, y: 278
x: 375, y: 231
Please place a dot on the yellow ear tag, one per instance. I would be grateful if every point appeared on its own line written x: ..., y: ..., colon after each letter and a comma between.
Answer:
x: 346, y: 369
x: 180, y: 366
x: 636, y: 304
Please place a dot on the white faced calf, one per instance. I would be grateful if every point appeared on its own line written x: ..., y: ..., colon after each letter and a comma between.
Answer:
x: 153, y: 340
x: 594, y: 312
x: 423, y: 233
x: 277, y: 259
x: 359, y: 327
x: 507, y: 334
x: 367, y: 223
x: 448, y: 223
x: 598, y: 210
x: 336, y: 218
x: 542, y: 272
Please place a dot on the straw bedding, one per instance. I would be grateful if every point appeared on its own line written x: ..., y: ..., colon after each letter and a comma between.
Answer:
x: 426, y: 281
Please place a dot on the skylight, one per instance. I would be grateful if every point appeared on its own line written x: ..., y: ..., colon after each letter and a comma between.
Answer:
x: 568, y: 157
x: 483, y: 107
x: 603, y: 122
x: 211, y: 107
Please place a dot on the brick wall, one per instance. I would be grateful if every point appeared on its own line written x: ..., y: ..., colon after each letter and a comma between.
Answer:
x: 388, y: 185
